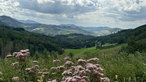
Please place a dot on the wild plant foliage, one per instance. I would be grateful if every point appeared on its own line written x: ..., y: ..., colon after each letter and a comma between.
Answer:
x: 65, y: 70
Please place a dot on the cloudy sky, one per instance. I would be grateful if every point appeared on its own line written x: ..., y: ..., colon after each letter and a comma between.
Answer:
x: 90, y: 13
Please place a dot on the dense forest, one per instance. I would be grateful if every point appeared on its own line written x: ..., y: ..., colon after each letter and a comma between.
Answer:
x: 14, y: 39
x: 75, y: 41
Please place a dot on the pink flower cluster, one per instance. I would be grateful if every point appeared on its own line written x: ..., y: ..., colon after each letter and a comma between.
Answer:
x: 21, y: 55
x: 81, y: 71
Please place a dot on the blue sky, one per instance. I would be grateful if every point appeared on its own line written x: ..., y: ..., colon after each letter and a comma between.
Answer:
x: 90, y: 13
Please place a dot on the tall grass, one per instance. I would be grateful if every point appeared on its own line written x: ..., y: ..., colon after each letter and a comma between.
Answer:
x: 128, y: 67
x: 118, y: 66
x: 125, y: 66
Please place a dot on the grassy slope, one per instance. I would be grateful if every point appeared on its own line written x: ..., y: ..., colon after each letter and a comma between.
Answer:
x: 79, y: 51
x: 128, y: 67
x: 91, y: 50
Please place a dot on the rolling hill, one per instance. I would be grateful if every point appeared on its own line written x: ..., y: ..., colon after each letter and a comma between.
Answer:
x: 58, y: 30
x: 13, y: 39
x: 53, y: 30
x: 122, y: 36
x: 101, y: 31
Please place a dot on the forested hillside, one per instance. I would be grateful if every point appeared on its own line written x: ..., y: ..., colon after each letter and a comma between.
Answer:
x: 14, y: 39
x: 74, y: 41
x: 123, y: 36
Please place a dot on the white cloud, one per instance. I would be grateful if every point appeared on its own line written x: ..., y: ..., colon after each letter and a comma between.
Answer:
x: 113, y: 13
x: 59, y: 6
x: 45, y: 1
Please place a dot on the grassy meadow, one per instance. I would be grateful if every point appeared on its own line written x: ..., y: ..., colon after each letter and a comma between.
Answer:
x: 118, y: 66
x: 127, y: 67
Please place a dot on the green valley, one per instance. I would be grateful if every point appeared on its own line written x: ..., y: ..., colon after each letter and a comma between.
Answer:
x: 119, y: 57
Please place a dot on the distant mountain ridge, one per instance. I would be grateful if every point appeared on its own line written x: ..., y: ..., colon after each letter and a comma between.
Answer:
x: 28, y: 21
x: 10, y: 21
x: 53, y: 30
x: 101, y: 31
